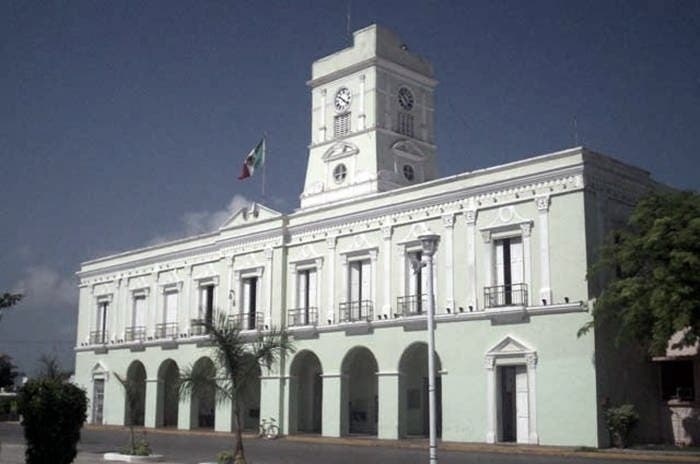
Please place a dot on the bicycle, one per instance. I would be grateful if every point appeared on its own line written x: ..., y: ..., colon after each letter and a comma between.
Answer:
x: 268, y: 429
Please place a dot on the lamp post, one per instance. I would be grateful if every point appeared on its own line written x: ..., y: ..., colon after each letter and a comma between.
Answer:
x: 429, y: 242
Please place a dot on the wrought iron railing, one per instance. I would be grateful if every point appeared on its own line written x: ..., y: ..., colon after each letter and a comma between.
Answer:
x: 352, y: 311
x: 136, y: 333
x: 98, y: 337
x: 197, y: 327
x: 505, y: 295
x: 302, y: 316
x: 248, y: 321
x: 166, y: 330
x: 412, y: 305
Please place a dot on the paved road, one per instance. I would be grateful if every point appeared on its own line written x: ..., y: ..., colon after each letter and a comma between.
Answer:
x: 194, y: 448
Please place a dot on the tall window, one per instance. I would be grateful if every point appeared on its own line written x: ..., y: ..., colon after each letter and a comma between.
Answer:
x: 250, y: 302
x: 168, y: 328
x: 138, y: 317
x: 100, y: 333
x: 341, y: 125
x: 306, y: 296
x: 206, y: 302
x: 360, y: 282
x: 509, y: 270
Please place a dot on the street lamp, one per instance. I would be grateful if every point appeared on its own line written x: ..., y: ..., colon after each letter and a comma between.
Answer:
x: 429, y: 243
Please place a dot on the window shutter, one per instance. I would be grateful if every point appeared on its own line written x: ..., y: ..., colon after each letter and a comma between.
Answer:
x: 312, y: 289
x: 139, y: 311
x: 366, y: 280
x: 500, y: 279
x: 301, y: 289
x: 355, y: 280
x: 516, y: 260
x: 171, y: 307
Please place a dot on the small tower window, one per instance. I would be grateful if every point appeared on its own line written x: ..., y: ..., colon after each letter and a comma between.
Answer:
x: 341, y: 125
x: 408, y: 172
x: 405, y: 124
x: 339, y: 173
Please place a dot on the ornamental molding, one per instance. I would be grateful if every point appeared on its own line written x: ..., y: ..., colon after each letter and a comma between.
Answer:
x: 409, y: 150
x: 510, y: 348
x: 448, y: 221
x: 340, y: 150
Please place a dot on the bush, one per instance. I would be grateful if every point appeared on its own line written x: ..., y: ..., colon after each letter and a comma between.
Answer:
x: 620, y: 421
x: 141, y: 448
x: 53, y: 412
x: 225, y: 457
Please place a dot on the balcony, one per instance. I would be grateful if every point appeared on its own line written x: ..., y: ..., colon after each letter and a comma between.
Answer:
x: 197, y: 327
x: 135, y: 333
x: 302, y: 317
x: 411, y: 305
x: 166, y: 330
x: 98, y: 337
x: 248, y: 321
x: 353, y: 311
x: 499, y: 296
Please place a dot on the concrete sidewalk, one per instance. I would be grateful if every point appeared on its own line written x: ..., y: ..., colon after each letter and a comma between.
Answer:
x: 14, y: 454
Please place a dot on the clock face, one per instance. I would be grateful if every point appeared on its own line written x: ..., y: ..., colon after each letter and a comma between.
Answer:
x: 342, y: 99
x: 405, y: 98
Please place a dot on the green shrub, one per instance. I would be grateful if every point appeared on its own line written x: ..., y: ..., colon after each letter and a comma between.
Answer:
x: 620, y: 421
x: 53, y: 412
x: 141, y: 448
x: 225, y: 457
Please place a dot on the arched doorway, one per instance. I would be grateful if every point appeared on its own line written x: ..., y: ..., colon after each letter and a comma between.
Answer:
x: 203, y: 397
x: 168, y: 394
x: 413, y: 390
x: 306, y: 393
x: 136, y: 380
x: 360, y: 403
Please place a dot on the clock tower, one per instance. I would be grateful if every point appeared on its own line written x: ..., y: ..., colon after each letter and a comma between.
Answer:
x: 371, y: 120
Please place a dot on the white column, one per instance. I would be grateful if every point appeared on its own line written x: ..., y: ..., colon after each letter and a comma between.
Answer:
x: 189, y: 302
x: 333, y: 417
x: 527, y: 260
x: 386, y: 278
x: 543, y: 223
x: 448, y: 222
x: 237, y: 309
x: 228, y: 287
x: 403, y: 270
x: 531, y: 360
x: 153, y: 313
x: 491, y: 419
x: 375, y: 281
x: 363, y: 115
x: 268, y: 286
x: 292, y: 284
x: 151, y: 406
x: 488, y: 259
x: 470, y: 218
x: 118, y: 309
x: 322, y: 122
x: 330, y: 283
x: 319, y: 269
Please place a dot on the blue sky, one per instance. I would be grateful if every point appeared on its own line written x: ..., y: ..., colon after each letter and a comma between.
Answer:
x: 125, y: 123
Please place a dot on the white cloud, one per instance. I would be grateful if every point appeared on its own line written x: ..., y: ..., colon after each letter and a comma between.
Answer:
x: 200, y: 222
x: 43, y: 286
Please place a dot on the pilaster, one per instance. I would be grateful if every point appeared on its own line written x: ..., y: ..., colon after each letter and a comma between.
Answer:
x: 388, y: 426
x: 333, y: 423
x: 470, y: 219
x: 448, y: 222
x: 542, y: 203
x: 330, y: 283
x: 386, y: 277
x: 151, y: 406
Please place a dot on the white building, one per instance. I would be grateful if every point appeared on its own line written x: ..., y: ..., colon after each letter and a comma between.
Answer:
x: 510, y: 276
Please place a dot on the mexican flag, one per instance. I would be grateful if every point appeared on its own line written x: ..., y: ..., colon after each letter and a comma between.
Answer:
x: 254, y: 160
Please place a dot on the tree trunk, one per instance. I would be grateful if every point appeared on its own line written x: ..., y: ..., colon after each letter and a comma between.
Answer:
x: 131, y: 430
x: 238, y: 455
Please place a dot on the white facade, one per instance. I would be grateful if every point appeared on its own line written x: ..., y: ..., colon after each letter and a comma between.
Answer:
x: 509, y: 273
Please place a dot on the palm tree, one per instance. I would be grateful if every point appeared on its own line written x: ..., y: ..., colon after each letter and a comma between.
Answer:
x: 237, y: 362
x: 132, y: 392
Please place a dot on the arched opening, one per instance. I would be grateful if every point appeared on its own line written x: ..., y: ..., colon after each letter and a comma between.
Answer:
x: 250, y: 402
x: 360, y: 403
x: 203, y: 396
x: 168, y: 394
x: 136, y: 380
x: 306, y: 393
x: 413, y: 390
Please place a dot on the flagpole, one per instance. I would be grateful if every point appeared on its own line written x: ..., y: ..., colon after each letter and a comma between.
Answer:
x: 264, y: 164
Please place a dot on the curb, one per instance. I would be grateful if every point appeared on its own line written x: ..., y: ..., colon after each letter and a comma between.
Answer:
x: 533, y: 450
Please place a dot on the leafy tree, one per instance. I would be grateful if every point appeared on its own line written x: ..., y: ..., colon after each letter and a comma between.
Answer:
x: 655, y: 292
x: 8, y: 300
x: 53, y: 412
x: 236, y: 365
x: 50, y: 368
x: 8, y: 371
